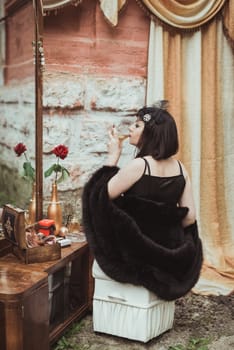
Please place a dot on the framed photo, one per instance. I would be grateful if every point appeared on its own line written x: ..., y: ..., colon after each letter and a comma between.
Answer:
x: 13, y: 225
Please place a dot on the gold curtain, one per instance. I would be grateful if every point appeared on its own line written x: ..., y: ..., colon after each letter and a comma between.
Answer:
x: 183, y: 14
x: 197, y: 70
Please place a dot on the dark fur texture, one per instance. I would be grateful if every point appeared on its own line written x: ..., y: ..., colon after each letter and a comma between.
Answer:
x: 139, y: 241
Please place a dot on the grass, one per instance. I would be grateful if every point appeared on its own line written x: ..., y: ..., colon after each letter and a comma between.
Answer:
x: 193, y: 344
x: 69, y: 341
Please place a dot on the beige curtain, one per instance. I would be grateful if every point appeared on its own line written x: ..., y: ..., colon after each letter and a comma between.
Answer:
x: 195, y: 72
x: 111, y: 9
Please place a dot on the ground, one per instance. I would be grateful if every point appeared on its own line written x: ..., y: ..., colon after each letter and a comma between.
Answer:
x: 196, y: 317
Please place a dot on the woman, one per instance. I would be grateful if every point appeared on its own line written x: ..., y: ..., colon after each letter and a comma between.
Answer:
x: 155, y: 134
x: 140, y: 220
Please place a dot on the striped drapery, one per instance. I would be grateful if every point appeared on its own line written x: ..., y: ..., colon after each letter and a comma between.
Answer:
x: 195, y: 72
x: 181, y: 14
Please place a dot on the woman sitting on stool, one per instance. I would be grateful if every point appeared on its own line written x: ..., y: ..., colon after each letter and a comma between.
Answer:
x: 140, y: 220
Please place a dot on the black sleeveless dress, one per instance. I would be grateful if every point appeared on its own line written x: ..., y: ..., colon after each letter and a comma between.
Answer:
x: 164, y: 192
x: 159, y: 189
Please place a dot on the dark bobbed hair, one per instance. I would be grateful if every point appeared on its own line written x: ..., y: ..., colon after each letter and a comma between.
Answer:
x: 159, y: 137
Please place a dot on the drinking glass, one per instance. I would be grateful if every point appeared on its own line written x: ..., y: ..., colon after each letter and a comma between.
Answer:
x: 123, y: 131
x: 74, y: 230
x: 73, y: 225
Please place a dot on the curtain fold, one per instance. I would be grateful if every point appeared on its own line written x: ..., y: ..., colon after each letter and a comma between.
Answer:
x: 111, y: 10
x: 183, y: 14
x: 198, y: 80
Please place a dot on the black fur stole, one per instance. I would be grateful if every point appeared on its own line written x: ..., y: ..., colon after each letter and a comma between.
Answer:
x: 139, y: 241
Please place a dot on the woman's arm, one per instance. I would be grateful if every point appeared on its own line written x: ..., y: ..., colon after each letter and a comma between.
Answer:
x: 114, y: 147
x: 187, y: 200
x: 125, y: 178
x: 127, y: 175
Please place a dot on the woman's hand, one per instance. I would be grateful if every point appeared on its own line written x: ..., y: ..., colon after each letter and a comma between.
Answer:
x: 114, y: 147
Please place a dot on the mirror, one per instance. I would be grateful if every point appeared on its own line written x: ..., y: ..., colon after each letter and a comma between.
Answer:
x: 18, y: 102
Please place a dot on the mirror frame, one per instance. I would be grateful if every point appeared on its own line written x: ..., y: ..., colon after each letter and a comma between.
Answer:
x: 38, y: 14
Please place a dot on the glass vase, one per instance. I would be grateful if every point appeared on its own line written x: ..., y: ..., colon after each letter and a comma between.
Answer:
x: 32, y: 206
x: 54, y: 210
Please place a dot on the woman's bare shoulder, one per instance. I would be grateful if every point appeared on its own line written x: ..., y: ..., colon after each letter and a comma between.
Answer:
x: 135, y: 164
x: 125, y: 177
x: 134, y: 168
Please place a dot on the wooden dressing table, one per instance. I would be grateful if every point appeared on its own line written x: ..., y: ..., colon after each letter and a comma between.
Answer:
x: 39, y: 301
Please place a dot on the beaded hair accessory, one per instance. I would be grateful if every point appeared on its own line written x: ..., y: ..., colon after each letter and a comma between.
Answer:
x: 146, y: 117
x: 161, y: 105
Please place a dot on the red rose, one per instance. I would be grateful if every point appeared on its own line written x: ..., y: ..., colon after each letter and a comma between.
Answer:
x: 19, y: 149
x: 29, y: 171
x: 60, y: 151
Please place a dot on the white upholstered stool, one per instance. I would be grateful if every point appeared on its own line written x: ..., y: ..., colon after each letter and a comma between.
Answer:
x: 128, y: 311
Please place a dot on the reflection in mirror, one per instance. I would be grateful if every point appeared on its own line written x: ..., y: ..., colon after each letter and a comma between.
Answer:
x: 17, y: 100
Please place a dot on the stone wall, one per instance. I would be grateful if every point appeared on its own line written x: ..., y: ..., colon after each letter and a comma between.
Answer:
x: 78, y: 115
